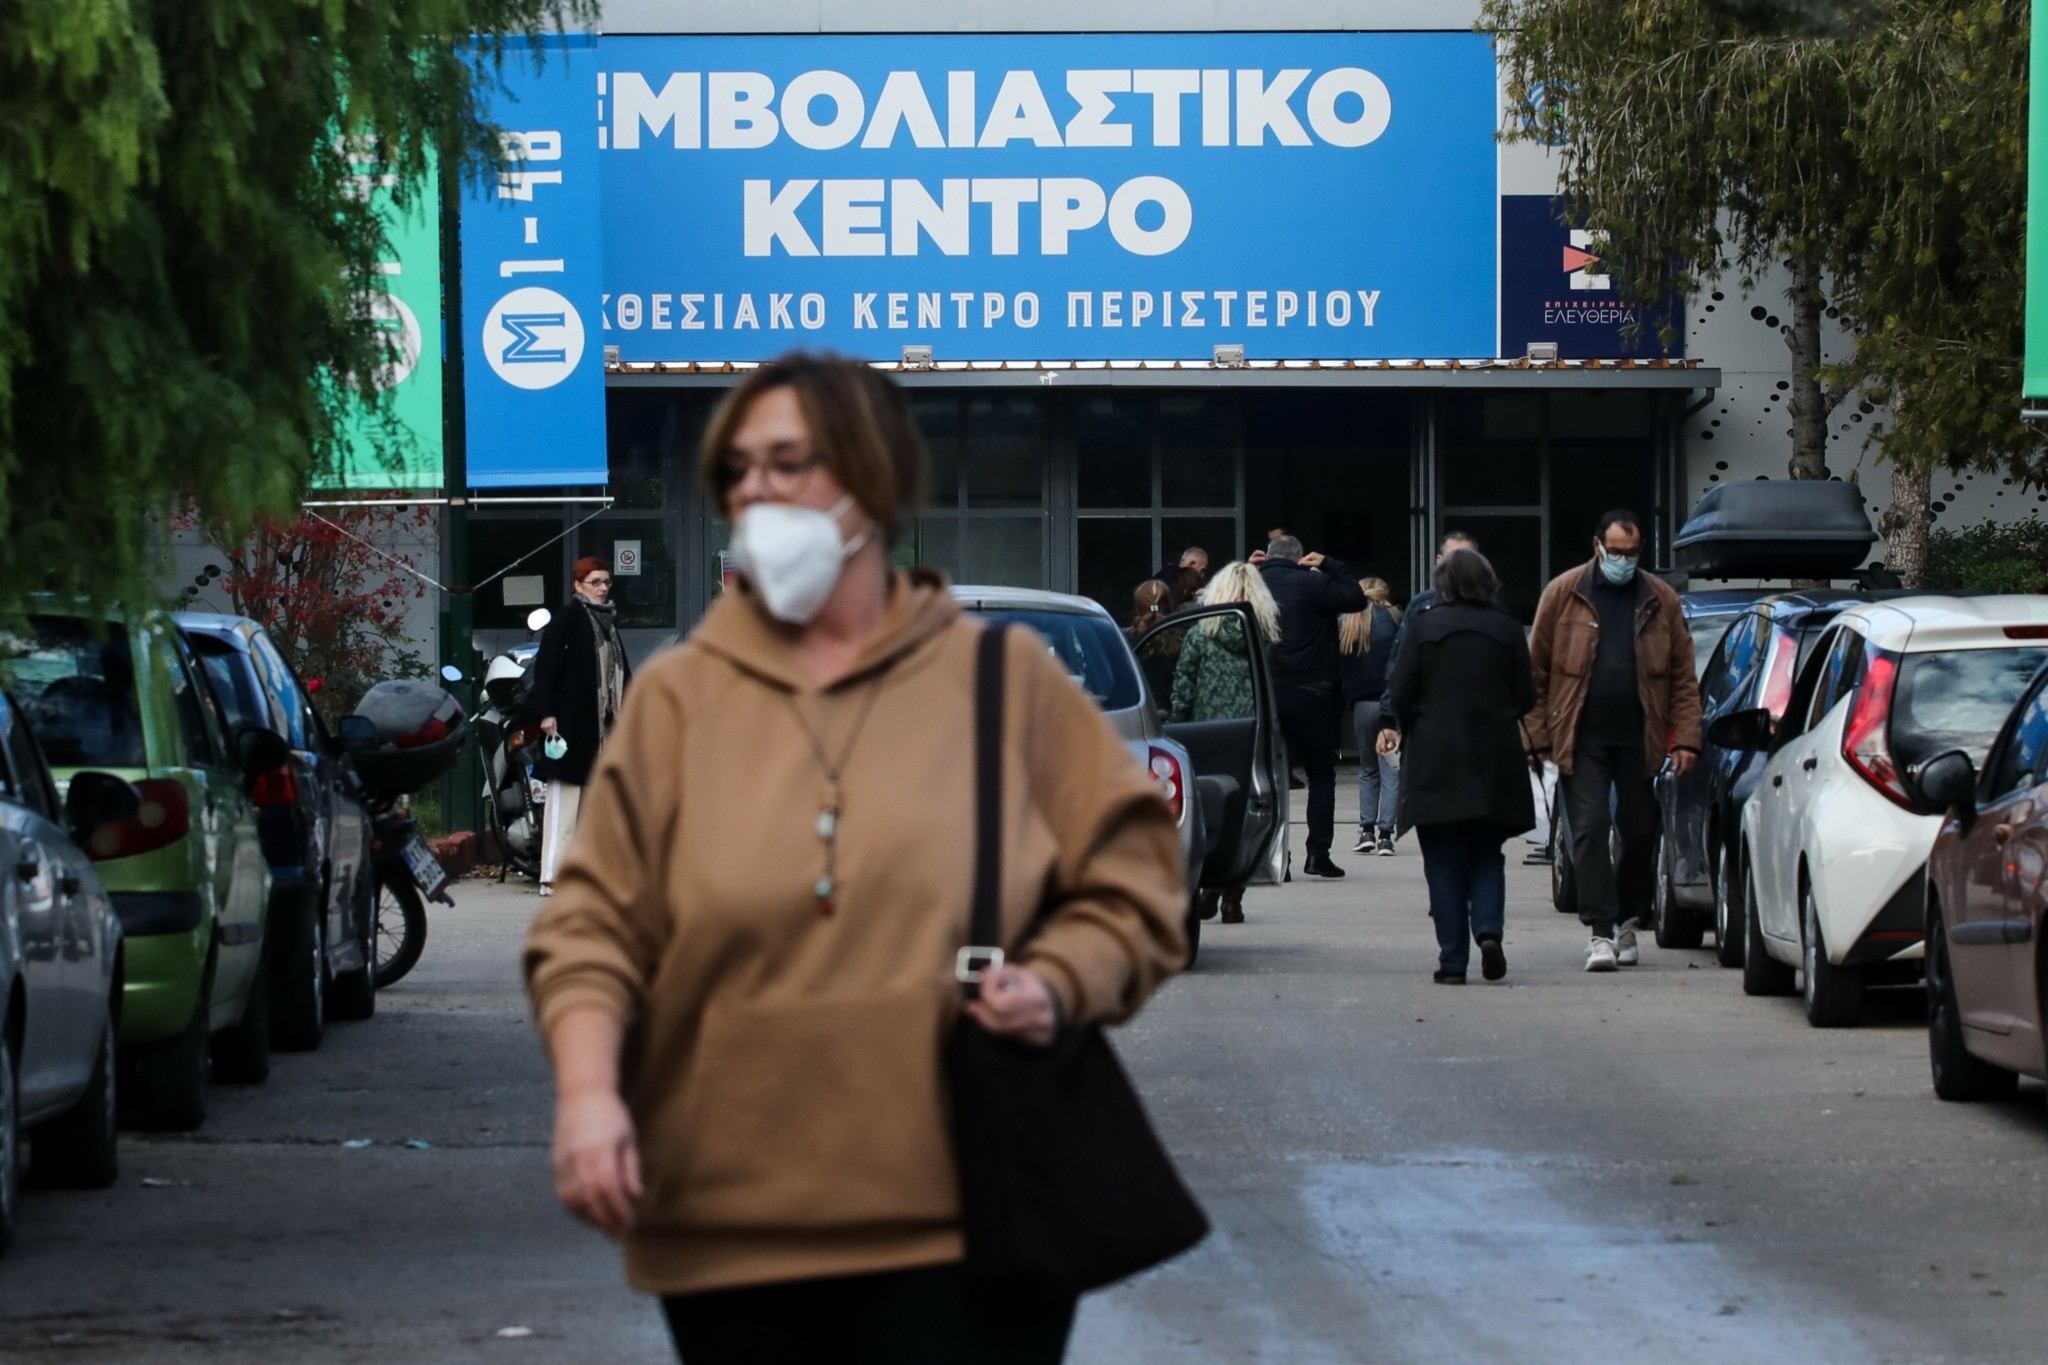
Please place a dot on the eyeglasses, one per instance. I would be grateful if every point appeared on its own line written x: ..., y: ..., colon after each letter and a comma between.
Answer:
x: 784, y: 473
x: 597, y: 580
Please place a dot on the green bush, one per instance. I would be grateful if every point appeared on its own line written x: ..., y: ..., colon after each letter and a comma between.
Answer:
x: 1990, y: 556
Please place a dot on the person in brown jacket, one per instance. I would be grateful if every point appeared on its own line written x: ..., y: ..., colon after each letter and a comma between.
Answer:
x: 1615, y: 695
x: 747, y: 970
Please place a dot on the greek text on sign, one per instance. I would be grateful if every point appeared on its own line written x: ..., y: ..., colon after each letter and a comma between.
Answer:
x: 1070, y: 196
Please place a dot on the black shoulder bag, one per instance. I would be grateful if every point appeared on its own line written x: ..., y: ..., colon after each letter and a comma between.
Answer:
x: 1064, y: 1187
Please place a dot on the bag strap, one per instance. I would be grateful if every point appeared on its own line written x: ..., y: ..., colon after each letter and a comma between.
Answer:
x: 984, y: 950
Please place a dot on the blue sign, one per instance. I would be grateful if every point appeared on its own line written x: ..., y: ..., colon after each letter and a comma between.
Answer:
x: 532, y: 296
x: 1121, y: 196
x: 1553, y: 287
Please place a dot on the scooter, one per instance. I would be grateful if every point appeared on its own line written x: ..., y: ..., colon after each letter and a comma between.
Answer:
x: 414, y: 739
x: 508, y: 745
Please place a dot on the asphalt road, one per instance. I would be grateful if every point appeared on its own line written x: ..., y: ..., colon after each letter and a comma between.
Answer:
x: 1646, y: 1166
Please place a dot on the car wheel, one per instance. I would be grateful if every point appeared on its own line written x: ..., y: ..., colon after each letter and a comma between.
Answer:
x: 1194, y: 928
x: 1729, y: 930
x: 171, y: 1075
x: 1564, y: 882
x: 241, y: 1055
x: 1675, y: 926
x: 1958, y: 1074
x: 1762, y: 974
x: 300, y: 1008
x: 1834, y: 995
x: 400, y: 931
x: 355, y: 992
x: 10, y: 1145
x: 81, y: 1149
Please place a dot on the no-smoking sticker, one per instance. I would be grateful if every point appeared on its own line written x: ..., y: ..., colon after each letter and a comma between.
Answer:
x: 625, y: 558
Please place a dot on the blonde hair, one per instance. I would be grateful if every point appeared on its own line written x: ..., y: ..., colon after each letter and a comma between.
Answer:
x: 1354, y: 629
x: 1238, y: 581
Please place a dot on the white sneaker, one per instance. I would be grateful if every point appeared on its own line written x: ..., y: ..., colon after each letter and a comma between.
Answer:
x: 1600, y: 955
x: 1625, y: 945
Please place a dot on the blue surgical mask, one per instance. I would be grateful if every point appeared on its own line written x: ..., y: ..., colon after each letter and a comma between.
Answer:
x: 1620, y: 569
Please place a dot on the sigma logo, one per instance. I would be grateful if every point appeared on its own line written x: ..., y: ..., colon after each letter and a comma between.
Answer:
x: 533, y: 338
x: 1583, y: 264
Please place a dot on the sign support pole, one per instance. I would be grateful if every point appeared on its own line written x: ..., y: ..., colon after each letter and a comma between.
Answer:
x: 462, y: 798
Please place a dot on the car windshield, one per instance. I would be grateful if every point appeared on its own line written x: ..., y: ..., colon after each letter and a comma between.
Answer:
x: 229, y: 674
x: 1957, y: 699
x: 1091, y: 650
x: 1706, y: 635
x: 78, y: 694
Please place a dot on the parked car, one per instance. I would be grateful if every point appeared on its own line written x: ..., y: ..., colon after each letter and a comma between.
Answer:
x: 187, y: 874
x: 1987, y: 892
x: 314, y: 831
x: 1233, y: 829
x: 60, y: 946
x: 1751, y: 667
x: 1834, y: 840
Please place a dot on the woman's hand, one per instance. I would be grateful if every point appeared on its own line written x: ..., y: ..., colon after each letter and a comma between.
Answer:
x: 597, y: 1160
x: 547, y: 726
x: 1388, y: 744
x: 1017, y: 1003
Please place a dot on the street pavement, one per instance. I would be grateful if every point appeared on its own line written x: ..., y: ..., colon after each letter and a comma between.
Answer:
x: 1639, y: 1167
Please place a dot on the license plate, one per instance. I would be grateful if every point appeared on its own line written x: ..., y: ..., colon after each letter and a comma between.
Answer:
x: 426, y: 869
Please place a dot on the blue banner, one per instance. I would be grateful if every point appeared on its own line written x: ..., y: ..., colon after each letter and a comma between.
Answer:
x: 1553, y: 287
x: 532, y: 296
x: 1122, y: 196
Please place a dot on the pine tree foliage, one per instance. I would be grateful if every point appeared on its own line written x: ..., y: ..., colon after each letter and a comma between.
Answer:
x: 184, y: 247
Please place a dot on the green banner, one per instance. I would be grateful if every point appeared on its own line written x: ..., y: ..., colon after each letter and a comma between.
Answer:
x: 410, y: 306
x: 2035, y: 395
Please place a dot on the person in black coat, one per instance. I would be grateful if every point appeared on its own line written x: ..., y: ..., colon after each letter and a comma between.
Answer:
x: 1460, y: 689
x: 1312, y: 591
x: 579, y: 679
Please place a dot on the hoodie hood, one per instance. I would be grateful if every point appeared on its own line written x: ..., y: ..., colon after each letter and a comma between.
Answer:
x: 737, y: 628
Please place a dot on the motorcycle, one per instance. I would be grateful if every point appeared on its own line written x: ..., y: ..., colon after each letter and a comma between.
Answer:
x: 414, y: 736
x: 508, y: 745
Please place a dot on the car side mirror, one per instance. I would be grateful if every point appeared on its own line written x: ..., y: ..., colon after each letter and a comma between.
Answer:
x: 1948, y: 782
x: 260, y: 751
x: 356, y: 734
x: 95, y: 799
x: 538, y: 618
x: 1741, y: 730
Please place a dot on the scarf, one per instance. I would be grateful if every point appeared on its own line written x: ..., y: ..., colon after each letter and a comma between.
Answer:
x: 611, y: 680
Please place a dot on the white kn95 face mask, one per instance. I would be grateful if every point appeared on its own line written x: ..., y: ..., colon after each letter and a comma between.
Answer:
x: 793, y: 556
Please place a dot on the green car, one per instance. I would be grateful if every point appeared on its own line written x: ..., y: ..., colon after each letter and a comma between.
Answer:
x: 187, y: 875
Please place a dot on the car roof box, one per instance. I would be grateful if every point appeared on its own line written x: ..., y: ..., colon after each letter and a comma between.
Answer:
x: 1776, y: 528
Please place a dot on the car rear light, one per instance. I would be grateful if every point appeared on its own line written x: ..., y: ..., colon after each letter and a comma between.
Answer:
x: 278, y: 787
x: 1172, y: 781
x: 1866, y: 739
x: 1778, y: 666
x: 164, y: 817
x: 2026, y: 632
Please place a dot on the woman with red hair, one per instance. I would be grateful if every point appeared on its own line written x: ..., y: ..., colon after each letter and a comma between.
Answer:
x: 579, y: 679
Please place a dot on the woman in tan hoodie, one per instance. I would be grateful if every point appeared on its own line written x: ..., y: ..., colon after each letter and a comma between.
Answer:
x: 746, y: 972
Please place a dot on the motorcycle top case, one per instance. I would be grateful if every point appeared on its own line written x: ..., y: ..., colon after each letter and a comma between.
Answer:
x: 1775, y: 528
x: 421, y: 728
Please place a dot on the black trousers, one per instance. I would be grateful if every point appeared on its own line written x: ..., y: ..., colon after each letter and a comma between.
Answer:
x: 927, y: 1316
x: 1610, y: 893
x: 1310, y: 719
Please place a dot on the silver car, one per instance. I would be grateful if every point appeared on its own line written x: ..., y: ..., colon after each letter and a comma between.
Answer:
x: 60, y: 945
x: 1224, y: 774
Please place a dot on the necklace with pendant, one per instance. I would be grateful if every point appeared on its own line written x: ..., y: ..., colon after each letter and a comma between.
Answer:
x: 826, y: 889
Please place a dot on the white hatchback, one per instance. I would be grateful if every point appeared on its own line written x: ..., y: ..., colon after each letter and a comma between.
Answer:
x: 1834, y: 849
